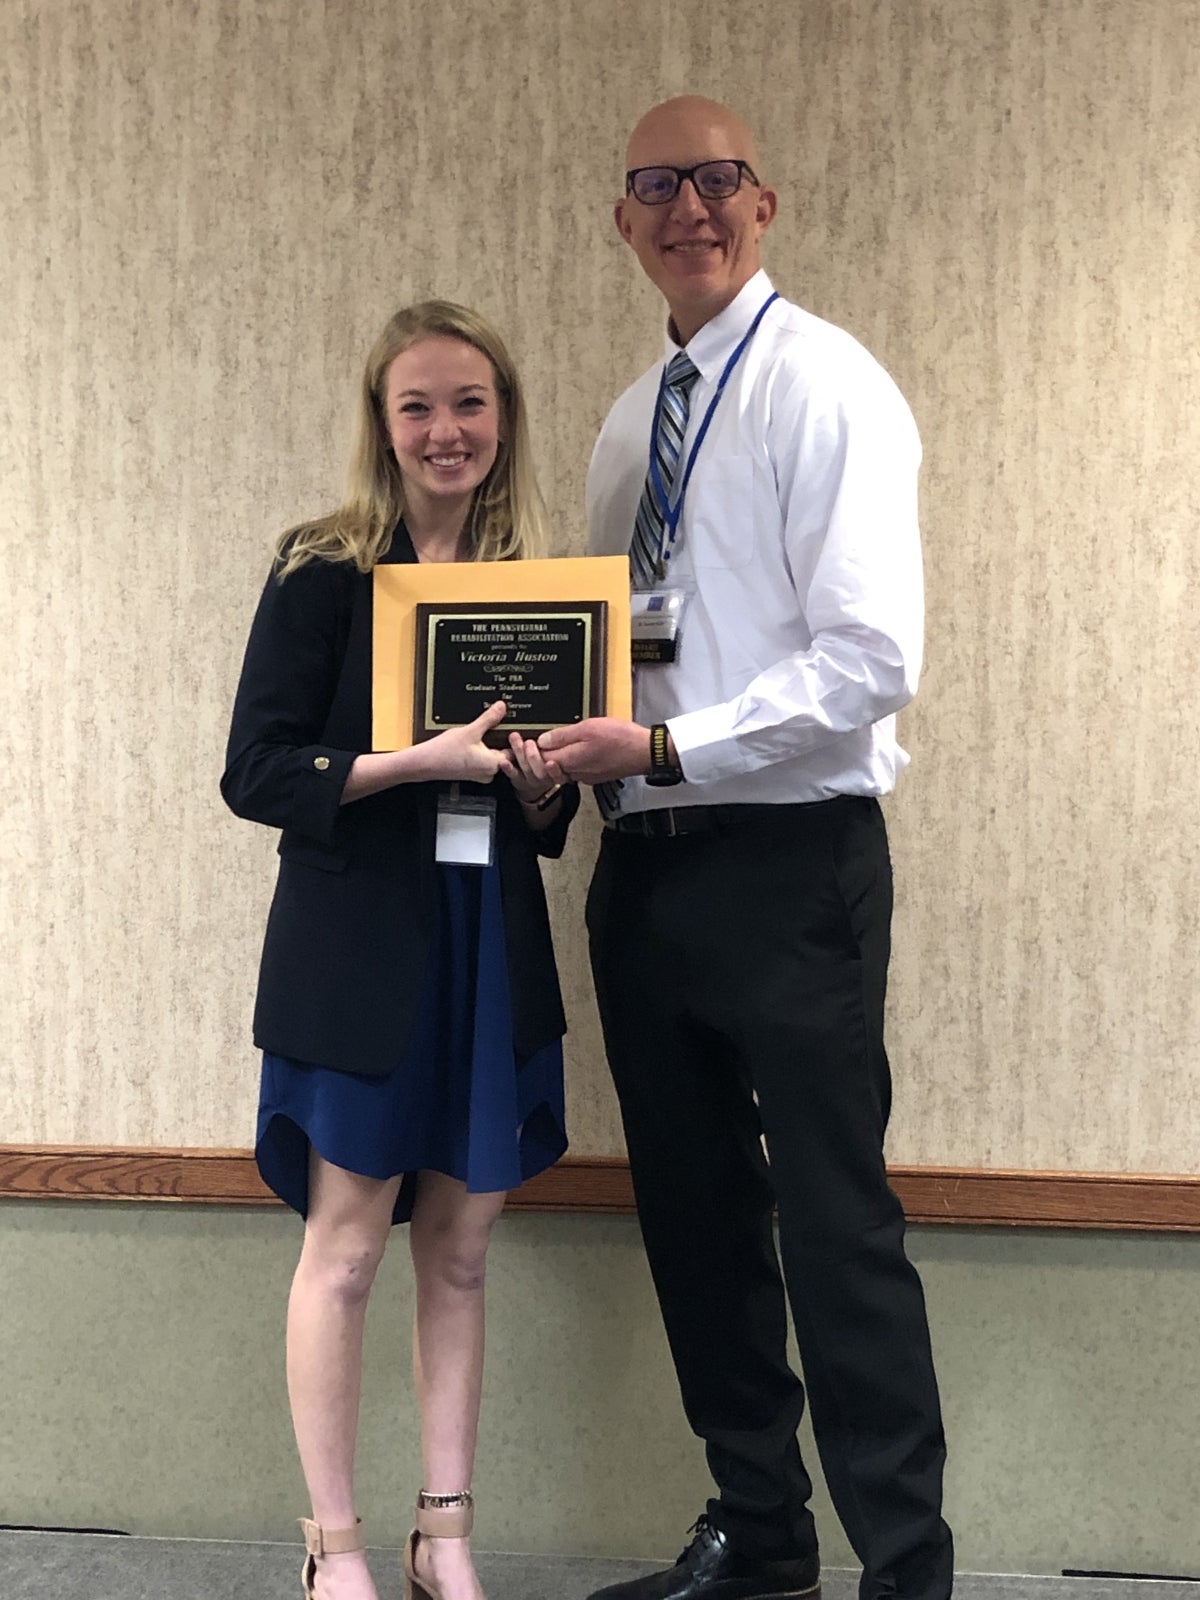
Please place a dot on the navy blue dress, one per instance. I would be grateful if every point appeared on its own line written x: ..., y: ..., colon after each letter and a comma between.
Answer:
x: 459, y: 1103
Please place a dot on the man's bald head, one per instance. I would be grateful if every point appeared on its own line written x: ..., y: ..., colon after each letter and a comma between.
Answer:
x: 689, y: 122
x: 699, y: 252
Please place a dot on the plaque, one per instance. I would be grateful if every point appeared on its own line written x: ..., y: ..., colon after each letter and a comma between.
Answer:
x: 592, y: 590
x: 546, y: 659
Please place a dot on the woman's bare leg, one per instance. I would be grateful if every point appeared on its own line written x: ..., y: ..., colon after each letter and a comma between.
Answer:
x: 449, y: 1239
x: 349, y: 1219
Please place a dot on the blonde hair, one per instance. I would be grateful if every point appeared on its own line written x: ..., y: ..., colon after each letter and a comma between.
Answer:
x: 507, y: 517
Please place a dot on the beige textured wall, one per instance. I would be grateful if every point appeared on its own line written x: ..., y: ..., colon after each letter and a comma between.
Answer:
x: 207, y: 211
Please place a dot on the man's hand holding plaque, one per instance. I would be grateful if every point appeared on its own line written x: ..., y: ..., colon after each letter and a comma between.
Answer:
x: 599, y: 750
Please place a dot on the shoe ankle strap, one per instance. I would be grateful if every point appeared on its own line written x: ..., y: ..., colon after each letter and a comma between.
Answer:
x: 319, y: 1541
x: 445, y: 1516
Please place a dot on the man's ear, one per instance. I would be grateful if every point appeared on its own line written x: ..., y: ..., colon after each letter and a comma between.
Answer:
x: 765, y: 208
x: 623, y: 227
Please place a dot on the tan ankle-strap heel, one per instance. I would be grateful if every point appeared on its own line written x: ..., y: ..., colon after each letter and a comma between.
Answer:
x: 319, y: 1541
x: 438, y: 1516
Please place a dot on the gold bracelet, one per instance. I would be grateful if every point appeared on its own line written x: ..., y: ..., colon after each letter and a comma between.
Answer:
x: 547, y: 799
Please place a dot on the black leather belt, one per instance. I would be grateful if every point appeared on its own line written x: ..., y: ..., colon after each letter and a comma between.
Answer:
x: 668, y: 821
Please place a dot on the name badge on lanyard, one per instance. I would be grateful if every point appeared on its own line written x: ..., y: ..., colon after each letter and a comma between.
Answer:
x: 656, y: 616
x: 657, y: 613
x: 466, y: 829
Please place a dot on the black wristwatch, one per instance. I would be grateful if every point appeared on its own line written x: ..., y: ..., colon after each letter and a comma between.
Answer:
x: 663, y: 771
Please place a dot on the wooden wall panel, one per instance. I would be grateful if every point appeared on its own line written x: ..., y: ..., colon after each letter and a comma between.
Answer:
x: 601, y: 1184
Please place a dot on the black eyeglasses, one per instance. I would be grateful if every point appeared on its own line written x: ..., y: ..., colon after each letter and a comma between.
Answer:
x: 712, y: 180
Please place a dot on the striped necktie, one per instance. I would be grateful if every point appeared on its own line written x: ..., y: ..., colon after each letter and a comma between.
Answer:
x: 645, y: 549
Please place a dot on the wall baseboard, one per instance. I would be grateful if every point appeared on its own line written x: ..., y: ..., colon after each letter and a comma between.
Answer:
x: 601, y: 1184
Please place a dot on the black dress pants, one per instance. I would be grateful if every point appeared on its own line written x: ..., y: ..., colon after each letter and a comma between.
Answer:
x: 740, y: 975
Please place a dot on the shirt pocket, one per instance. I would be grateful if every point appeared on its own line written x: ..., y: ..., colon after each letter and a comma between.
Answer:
x: 721, y: 525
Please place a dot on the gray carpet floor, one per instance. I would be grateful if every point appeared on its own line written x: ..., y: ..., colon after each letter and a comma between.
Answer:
x: 80, y: 1566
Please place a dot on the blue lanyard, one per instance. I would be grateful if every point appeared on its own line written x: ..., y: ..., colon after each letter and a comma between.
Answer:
x: 672, y: 513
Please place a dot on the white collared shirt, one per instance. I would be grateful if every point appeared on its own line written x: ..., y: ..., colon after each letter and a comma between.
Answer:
x: 800, y: 552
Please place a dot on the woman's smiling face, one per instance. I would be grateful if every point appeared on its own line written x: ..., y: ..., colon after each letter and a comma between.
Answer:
x: 443, y: 419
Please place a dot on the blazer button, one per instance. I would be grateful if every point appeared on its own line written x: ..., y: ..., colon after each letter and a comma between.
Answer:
x: 321, y: 763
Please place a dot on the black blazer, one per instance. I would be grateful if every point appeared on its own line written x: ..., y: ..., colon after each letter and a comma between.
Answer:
x: 351, y: 924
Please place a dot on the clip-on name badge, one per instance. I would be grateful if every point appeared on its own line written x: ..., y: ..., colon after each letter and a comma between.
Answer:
x: 655, y: 619
x: 466, y: 829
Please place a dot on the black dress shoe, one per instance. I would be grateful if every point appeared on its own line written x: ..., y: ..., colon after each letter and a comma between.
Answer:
x: 710, y: 1570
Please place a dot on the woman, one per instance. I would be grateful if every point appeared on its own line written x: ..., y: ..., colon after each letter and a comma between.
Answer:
x: 408, y: 1011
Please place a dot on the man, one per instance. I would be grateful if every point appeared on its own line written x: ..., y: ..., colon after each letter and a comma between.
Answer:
x: 740, y: 911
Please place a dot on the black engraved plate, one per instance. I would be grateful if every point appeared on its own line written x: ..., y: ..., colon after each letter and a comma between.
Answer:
x: 544, y: 658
